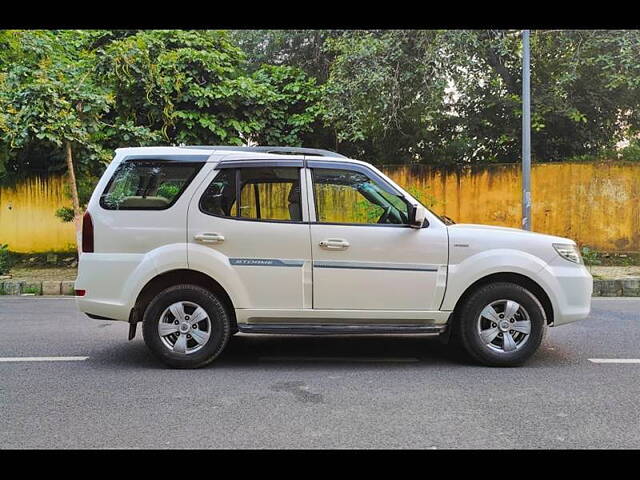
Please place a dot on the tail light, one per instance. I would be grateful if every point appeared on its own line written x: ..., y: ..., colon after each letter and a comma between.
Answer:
x: 87, y: 233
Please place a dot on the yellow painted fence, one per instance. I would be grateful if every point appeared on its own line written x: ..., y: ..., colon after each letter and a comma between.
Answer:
x: 596, y: 204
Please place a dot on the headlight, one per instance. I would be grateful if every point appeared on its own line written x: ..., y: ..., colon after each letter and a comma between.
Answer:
x: 568, y: 252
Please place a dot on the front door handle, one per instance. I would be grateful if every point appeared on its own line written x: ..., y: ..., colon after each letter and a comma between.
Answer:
x: 209, y: 237
x: 334, y: 244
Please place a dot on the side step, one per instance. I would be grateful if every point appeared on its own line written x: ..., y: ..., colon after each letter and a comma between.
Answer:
x: 333, y: 329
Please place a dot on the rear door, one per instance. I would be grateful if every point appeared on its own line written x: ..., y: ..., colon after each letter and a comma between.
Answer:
x: 254, y: 214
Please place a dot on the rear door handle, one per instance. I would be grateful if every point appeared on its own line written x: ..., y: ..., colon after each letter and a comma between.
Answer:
x: 334, y: 244
x: 209, y: 237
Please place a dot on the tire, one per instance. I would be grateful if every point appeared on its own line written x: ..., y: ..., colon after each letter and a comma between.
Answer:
x: 492, y: 310
x: 202, y: 342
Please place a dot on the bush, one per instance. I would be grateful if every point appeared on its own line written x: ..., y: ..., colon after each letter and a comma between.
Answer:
x: 632, y: 152
x: 590, y: 256
x: 4, y: 259
x: 65, y: 214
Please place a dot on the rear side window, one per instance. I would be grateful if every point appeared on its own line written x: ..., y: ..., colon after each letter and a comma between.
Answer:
x: 261, y: 193
x: 148, y: 184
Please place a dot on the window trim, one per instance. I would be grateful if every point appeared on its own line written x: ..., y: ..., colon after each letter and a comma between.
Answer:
x: 184, y: 161
x: 359, y: 169
x: 263, y: 164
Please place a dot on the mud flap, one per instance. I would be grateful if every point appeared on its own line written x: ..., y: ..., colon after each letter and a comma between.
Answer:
x: 132, y: 330
x: 133, y: 323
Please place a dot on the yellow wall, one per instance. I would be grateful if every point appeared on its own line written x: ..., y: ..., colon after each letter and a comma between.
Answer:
x: 27, y: 220
x: 596, y: 204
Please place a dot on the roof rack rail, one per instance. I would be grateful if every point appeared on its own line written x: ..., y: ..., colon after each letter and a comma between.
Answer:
x: 266, y: 149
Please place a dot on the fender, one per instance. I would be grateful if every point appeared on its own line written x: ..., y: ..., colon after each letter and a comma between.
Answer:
x: 488, y: 262
x: 153, y: 263
x: 216, y: 265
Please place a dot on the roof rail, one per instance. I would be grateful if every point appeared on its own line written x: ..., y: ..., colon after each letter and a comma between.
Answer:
x: 267, y: 149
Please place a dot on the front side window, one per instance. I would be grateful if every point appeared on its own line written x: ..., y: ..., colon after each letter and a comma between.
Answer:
x: 346, y: 196
x: 260, y: 193
x: 148, y: 185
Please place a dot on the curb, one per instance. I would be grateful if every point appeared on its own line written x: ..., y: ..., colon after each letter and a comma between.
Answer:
x: 37, y: 288
x: 610, y: 287
x: 616, y: 287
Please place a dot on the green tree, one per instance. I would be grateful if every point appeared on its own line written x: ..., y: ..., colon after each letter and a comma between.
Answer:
x: 386, y: 94
x: 48, y: 95
x: 184, y: 87
x: 303, y: 49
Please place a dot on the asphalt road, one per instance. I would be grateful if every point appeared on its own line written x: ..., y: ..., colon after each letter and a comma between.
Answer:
x: 313, y: 392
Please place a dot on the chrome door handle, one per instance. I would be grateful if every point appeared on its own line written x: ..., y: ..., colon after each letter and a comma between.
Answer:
x: 209, y: 237
x: 334, y: 244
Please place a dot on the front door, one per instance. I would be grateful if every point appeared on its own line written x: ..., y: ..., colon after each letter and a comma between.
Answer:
x: 365, y: 255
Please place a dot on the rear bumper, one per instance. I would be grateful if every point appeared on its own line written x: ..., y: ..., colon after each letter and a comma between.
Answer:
x: 103, y: 310
x: 110, y: 283
x: 569, y: 287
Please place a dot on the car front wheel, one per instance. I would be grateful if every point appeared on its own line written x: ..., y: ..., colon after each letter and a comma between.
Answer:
x: 186, y: 326
x: 502, y: 324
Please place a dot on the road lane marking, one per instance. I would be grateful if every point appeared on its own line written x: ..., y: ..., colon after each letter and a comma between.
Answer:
x: 340, y: 359
x: 614, y: 360
x: 42, y: 359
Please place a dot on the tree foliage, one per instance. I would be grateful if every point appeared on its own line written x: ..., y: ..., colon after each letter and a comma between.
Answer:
x: 387, y: 96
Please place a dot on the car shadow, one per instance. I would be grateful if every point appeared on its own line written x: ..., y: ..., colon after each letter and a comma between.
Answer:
x: 311, y: 351
x: 258, y: 350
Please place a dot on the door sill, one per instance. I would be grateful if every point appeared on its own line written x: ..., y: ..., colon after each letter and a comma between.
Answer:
x: 332, y: 329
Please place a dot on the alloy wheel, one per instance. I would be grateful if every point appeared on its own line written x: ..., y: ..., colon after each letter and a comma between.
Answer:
x: 184, y: 327
x: 504, y: 326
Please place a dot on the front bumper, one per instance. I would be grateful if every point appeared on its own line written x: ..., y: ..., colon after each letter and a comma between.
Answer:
x: 569, y: 287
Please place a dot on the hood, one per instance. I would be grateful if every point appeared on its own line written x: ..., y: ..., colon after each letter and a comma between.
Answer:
x: 470, y: 228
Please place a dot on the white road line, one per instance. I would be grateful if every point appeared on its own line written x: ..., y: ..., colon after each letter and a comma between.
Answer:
x: 42, y: 359
x: 614, y: 360
x: 340, y: 359
x: 38, y: 297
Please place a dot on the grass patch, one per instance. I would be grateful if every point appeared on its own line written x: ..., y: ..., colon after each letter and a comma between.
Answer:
x: 34, y: 290
x: 610, y: 259
x: 41, y: 260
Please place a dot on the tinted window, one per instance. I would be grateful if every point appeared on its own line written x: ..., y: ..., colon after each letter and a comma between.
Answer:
x: 220, y: 196
x: 144, y: 184
x: 263, y: 193
x: 345, y: 196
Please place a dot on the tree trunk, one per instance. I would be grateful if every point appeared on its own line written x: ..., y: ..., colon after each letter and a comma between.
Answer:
x: 77, y: 214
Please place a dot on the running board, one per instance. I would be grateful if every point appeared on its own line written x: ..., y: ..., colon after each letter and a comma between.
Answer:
x: 333, y: 329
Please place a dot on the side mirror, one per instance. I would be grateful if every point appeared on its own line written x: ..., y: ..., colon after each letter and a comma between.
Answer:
x: 417, y: 216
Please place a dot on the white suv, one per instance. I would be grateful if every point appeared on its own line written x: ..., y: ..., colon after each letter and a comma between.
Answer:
x: 199, y: 243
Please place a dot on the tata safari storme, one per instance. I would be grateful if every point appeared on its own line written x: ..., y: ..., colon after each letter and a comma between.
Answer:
x: 199, y: 243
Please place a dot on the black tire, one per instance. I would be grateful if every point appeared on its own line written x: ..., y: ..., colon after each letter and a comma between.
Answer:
x: 218, y: 315
x: 467, y: 328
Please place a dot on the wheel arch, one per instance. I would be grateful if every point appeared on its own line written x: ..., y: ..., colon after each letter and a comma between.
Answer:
x: 175, y: 277
x: 511, y: 277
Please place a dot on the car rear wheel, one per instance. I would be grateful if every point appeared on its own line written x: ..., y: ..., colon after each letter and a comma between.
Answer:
x: 186, y: 326
x: 502, y: 324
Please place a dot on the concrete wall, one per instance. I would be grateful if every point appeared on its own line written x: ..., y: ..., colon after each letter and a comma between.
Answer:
x: 596, y: 204
x: 27, y: 216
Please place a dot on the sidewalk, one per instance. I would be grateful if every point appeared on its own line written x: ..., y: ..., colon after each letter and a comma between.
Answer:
x: 616, y: 281
x: 614, y: 272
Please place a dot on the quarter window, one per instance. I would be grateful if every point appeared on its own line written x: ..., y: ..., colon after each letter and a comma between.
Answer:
x: 148, y: 185
x: 261, y: 193
x: 346, y: 196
